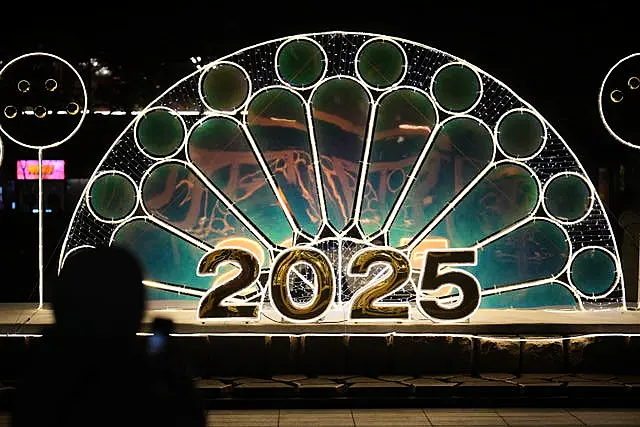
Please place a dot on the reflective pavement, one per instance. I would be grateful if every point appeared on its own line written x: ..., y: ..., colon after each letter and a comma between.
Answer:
x: 417, y: 417
x: 426, y: 417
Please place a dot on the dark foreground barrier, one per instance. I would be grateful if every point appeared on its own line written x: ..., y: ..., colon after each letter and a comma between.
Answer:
x: 314, y: 355
x: 361, y: 370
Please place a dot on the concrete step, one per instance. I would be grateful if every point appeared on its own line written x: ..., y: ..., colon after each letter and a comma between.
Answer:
x: 497, y: 387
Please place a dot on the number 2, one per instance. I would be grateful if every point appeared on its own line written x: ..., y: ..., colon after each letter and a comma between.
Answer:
x: 431, y: 280
x: 212, y: 304
x: 364, y: 302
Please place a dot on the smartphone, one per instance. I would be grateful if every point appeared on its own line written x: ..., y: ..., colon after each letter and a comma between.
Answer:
x: 161, y: 328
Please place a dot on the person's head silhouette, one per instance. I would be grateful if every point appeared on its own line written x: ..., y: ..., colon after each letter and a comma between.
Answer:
x: 99, y: 292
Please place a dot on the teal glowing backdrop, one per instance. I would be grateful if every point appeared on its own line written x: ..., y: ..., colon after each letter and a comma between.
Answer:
x: 372, y: 157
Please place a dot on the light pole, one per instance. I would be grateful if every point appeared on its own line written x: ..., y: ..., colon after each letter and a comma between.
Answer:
x: 33, y: 89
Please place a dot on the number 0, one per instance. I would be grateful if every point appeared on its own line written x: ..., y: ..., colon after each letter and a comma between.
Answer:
x: 431, y: 280
x: 324, y: 283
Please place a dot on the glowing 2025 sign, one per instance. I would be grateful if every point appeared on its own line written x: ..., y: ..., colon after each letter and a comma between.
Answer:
x: 346, y: 176
x: 365, y: 303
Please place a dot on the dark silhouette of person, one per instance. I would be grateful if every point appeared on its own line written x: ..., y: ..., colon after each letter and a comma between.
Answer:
x: 90, y: 367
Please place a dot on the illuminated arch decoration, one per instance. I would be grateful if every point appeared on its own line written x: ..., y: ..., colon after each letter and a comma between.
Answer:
x: 350, y: 177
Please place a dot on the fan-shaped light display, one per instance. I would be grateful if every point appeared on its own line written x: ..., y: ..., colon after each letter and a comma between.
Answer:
x: 350, y: 177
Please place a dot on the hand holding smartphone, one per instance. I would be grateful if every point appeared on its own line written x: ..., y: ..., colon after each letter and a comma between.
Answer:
x: 161, y: 328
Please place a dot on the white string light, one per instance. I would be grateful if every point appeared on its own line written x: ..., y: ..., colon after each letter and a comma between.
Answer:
x: 458, y: 64
x: 542, y: 143
x: 237, y: 61
x: 634, y: 144
x: 404, y: 62
x: 40, y: 148
x: 324, y: 63
x: 88, y: 196
x: 383, y: 335
x: 205, y: 70
x: 140, y: 146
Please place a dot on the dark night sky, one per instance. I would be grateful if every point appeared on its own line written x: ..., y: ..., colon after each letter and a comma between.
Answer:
x: 553, y: 54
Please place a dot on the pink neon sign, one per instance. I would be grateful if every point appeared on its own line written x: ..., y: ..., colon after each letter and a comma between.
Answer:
x: 51, y: 169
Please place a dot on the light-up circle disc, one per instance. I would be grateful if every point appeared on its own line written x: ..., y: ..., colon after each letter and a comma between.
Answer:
x: 37, y: 123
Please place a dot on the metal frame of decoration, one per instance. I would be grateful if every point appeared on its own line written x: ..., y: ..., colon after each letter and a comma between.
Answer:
x: 40, y: 149
x: 374, y: 94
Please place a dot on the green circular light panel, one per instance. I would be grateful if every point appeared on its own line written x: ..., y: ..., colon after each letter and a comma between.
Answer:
x: 300, y: 63
x: 112, y: 197
x: 456, y: 88
x: 520, y: 134
x: 160, y: 132
x: 380, y: 63
x: 567, y: 197
x: 225, y: 87
x: 593, y: 271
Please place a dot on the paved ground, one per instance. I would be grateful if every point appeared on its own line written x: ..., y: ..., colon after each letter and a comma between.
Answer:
x: 425, y: 417
x: 417, y: 417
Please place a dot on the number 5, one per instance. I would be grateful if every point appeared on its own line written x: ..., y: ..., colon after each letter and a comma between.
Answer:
x: 451, y: 308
